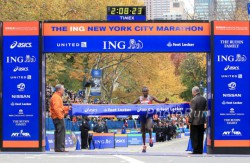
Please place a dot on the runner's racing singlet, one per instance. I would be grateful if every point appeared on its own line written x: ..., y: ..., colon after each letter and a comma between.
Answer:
x: 147, y: 100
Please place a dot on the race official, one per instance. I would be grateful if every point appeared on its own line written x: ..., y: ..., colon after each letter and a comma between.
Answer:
x: 197, y: 120
x: 57, y: 111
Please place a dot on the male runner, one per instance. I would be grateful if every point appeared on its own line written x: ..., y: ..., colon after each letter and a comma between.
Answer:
x: 146, y: 120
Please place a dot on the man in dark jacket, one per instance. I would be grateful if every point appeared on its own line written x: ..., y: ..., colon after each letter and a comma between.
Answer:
x: 105, y: 127
x: 99, y: 128
x: 197, y: 120
x: 84, y: 127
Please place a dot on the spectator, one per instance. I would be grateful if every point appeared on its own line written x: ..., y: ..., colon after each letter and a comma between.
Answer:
x: 99, y: 127
x: 106, y: 130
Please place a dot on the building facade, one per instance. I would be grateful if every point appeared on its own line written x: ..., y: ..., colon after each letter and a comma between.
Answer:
x: 156, y: 8
x: 225, y: 9
x: 203, y: 9
x: 177, y: 11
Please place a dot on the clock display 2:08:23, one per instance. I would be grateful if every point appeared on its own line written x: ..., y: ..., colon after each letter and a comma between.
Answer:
x: 126, y: 11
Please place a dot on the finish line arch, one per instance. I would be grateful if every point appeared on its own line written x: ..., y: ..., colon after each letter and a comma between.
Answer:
x: 22, y: 86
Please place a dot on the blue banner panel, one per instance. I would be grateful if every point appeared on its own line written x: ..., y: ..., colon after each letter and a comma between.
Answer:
x: 95, y: 89
x: 126, y: 18
x: 130, y: 109
x: 248, y: 8
x: 21, y: 85
x: 134, y: 139
x: 105, y: 44
x: 69, y: 139
x: 231, y: 85
x: 51, y: 138
x: 153, y: 137
x: 104, y: 140
x: 121, y: 140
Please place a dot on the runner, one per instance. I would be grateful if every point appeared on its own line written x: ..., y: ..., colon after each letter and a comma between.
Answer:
x: 146, y: 120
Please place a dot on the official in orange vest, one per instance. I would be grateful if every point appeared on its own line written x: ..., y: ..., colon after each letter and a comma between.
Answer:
x: 58, y: 111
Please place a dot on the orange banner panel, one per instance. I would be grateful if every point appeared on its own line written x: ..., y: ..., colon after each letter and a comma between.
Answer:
x: 20, y: 144
x: 231, y: 28
x: 20, y: 28
x: 116, y: 29
x: 231, y: 143
x: 103, y: 134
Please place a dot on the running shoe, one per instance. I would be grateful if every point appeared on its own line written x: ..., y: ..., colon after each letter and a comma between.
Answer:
x: 144, y: 149
x: 151, y: 143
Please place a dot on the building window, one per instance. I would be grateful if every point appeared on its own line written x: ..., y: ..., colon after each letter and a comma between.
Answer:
x: 176, y: 5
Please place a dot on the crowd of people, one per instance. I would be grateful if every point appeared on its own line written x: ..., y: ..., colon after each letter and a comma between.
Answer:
x: 166, y: 128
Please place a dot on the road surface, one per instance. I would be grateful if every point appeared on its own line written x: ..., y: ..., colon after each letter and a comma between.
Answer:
x: 167, y: 152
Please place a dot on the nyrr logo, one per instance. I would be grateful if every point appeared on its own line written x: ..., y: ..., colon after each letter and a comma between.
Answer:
x: 231, y: 133
x: 232, y: 58
x: 132, y: 44
x: 20, y: 134
x: 16, y: 44
x: 21, y: 59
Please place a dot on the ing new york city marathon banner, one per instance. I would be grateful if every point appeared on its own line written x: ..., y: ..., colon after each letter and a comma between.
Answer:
x: 126, y: 37
x: 231, y: 64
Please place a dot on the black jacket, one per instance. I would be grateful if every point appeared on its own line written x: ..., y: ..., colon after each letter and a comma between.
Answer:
x: 99, y: 128
x: 84, y: 125
x: 197, y: 114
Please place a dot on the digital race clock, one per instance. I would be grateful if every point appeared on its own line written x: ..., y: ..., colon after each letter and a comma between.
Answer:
x: 126, y: 13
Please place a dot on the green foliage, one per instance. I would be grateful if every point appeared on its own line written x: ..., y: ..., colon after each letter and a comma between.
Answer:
x: 193, y: 71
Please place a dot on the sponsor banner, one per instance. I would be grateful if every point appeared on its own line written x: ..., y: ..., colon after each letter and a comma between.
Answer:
x: 69, y: 139
x: 153, y: 137
x: 95, y: 89
x: 104, y: 140
x: 136, y: 139
x: 126, y: 43
x: 126, y: 18
x: 231, y: 28
x: 248, y: 8
x: 231, y: 99
x: 162, y: 110
x: 21, y: 28
x: 21, y: 85
x: 131, y: 29
x: 121, y: 140
x: 126, y: 37
x: 209, y: 97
